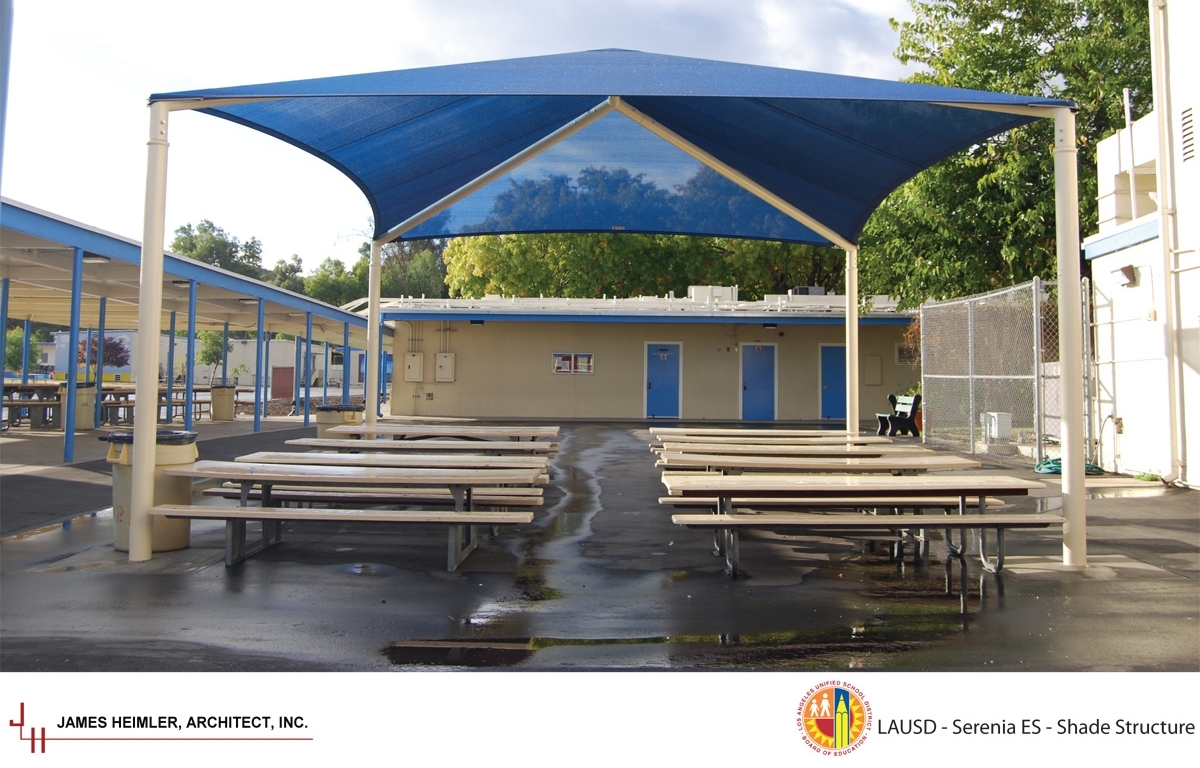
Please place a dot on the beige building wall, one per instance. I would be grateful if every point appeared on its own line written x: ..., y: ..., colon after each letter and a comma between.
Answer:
x: 504, y: 369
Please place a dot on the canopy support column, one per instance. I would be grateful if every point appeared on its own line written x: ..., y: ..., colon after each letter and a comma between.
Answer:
x: 4, y: 325
x: 852, y: 420
x: 145, y: 371
x: 1070, y: 339
x: 170, y: 416
x: 374, y: 334
x: 345, y: 363
x: 24, y: 350
x: 189, y: 382
x: 225, y: 357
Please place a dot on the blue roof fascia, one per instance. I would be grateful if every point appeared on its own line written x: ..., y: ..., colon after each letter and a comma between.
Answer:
x: 1119, y: 241
x: 56, y: 230
x: 679, y: 319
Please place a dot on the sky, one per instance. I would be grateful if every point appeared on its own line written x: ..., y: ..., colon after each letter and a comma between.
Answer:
x: 81, y: 71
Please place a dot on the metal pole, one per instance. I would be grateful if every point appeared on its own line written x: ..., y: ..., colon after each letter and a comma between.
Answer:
x: 98, y: 417
x: 852, y: 425
x: 296, y: 376
x: 73, y: 358
x: 925, y: 420
x: 24, y: 349
x: 1038, y: 416
x: 325, y: 374
x: 971, y: 373
x: 225, y: 358
x: 345, y: 363
x: 145, y: 372
x: 258, y: 373
x: 1088, y: 371
x: 4, y: 306
x: 307, y: 365
x: 170, y: 370
x: 189, y: 383
x: 1070, y: 325
x: 87, y: 349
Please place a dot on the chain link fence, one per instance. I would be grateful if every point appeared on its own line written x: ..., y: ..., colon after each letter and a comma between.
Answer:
x: 990, y: 373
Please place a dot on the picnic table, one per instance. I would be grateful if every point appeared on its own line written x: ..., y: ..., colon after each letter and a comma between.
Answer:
x: 737, y: 432
x: 459, y: 431
x: 40, y: 401
x: 769, y: 440
x: 461, y: 483
x: 727, y: 523
x: 730, y: 463
x: 439, y: 445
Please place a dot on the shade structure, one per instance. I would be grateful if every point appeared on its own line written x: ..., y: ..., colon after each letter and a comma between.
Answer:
x: 829, y: 146
x: 627, y: 141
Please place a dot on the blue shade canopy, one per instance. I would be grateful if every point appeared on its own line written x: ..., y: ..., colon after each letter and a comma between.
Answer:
x: 827, y: 148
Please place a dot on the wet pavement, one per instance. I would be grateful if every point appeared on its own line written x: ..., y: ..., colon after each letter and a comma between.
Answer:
x: 603, y: 580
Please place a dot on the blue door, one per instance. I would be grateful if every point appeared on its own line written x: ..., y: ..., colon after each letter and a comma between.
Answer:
x: 662, y: 381
x: 833, y: 382
x: 758, y: 381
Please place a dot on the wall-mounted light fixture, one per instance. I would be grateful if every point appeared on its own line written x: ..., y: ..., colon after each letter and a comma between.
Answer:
x: 1126, y: 276
x: 476, y: 322
x: 94, y: 258
x: 248, y: 301
x: 770, y: 326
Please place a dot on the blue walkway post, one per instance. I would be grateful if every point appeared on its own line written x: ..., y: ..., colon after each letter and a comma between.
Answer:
x: 24, y: 353
x: 99, y: 416
x: 87, y: 349
x: 259, y: 374
x: 307, y: 365
x: 189, y: 393
x: 345, y: 363
x: 4, y: 322
x: 296, y: 376
x: 73, y: 358
x: 325, y: 375
x: 381, y: 384
x: 225, y: 358
x: 171, y: 371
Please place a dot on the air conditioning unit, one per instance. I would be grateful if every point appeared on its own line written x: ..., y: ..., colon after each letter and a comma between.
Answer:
x: 997, y: 427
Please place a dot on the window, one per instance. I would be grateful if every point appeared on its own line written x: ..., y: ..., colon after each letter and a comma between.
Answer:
x: 573, y: 362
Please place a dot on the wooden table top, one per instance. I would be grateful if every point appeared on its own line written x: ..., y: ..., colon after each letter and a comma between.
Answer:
x: 446, y: 430
x: 736, y: 432
x: 793, y: 440
x: 457, y: 460
x: 765, y: 484
x: 431, y: 445
x: 798, y: 449
x: 320, y: 474
x: 819, y: 463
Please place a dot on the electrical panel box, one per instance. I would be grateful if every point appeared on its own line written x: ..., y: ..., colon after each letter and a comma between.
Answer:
x: 413, y: 366
x: 997, y: 427
x: 444, y: 367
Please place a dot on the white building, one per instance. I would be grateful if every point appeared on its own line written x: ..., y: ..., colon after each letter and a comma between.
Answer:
x: 1146, y: 271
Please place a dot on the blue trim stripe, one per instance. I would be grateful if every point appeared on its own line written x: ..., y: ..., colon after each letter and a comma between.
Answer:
x: 1121, y: 240
x: 680, y: 319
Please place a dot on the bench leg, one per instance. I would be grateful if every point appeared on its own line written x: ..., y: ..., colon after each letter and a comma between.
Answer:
x: 236, y: 548
x: 732, y: 551
x: 988, y: 565
x: 462, y: 541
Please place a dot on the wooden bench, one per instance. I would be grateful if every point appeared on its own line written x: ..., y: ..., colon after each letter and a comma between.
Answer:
x: 800, y: 503
x: 793, y: 522
x: 486, y: 447
x: 902, y: 419
x: 463, y: 533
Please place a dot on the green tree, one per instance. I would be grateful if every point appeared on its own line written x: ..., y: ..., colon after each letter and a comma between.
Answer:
x: 287, y: 274
x: 333, y: 284
x: 984, y: 218
x: 14, y: 345
x: 210, y: 348
x: 210, y: 244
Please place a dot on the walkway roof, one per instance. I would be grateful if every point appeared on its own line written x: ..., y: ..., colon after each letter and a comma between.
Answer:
x: 37, y: 256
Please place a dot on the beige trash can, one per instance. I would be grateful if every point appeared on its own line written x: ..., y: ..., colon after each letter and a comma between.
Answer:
x: 174, y: 447
x: 85, y: 404
x: 224, y: 400
x: 336, y: 415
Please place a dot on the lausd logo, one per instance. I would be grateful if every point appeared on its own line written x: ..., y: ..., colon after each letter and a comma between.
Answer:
x: 834, y: 718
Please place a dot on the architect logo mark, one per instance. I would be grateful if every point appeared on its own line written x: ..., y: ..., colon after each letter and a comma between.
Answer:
x: 834, y: 718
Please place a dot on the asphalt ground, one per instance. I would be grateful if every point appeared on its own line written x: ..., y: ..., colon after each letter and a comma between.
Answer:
x: 602, y: 580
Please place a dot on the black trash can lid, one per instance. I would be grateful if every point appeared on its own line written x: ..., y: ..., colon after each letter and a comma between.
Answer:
x: 342, y: 407
x: 165, y: 437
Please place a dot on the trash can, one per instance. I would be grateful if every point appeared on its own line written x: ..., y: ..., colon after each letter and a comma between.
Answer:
x: 174, y: 447
x: 224, y: 398
x: 335, y: 415
x: 85, y: 404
